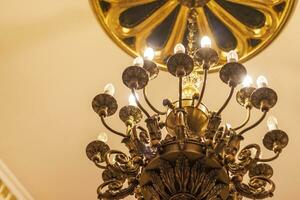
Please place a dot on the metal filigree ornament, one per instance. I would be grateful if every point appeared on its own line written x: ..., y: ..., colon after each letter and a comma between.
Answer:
x: 247, y: 26
x: 198, y: 157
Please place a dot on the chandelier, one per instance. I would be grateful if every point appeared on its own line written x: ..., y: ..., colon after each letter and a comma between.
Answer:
x: 199, y: 158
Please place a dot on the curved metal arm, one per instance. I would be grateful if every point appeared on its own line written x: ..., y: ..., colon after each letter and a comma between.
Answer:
x: 122, y: 163
x: 110, y: 129
x: 227, y: 101
x: 243, y: 154
x: 120, y: 194
x: 270, y: 159
x: 246, y: 120
x: 100, y: 166
x: 250, y: 191
x: 203, y: 88
x: 150, y: 105
x: 139, y: 104
x: 255, y: 124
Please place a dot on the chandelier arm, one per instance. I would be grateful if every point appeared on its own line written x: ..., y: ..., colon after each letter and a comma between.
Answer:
x: 100, y: 166
x: 245, y: 121
x: 227, y: 101
x: 270, y: 159
x: 150, y: 105
x: 203, y: 88
x: 180, y: 92
x: 255, y: 124
x: 139, y: 104
x: 249, y: 191
x: 121, y: 194
x: 110, y: 129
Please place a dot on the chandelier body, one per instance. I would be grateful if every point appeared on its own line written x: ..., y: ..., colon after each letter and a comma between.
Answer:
x: 184, y: 153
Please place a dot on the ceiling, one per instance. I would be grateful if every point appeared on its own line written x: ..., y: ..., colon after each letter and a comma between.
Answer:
x: 54, y: 59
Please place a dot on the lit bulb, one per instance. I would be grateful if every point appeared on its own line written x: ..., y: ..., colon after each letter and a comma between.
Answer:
x: 102, y: 137
x: 228, y: 126
x: 248, y: 81
x: 138, y: 61
x: 205, y: 42
x: 113, y: 158
x: 179, y: 48
x: 149, y: 53
x: 272, y: 123
x: 261, y: 82
x: 109, y: 89
x: 232, y: 56
x: 131, y: 99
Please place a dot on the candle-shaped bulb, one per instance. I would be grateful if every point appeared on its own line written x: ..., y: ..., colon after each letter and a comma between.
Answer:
x: 138, y: 61
x: 179, y: 48
x: 261, y: 82
x: 149, y: 53
x: 228, y: 126
x: 205, y: 42
x: 272, y: 123
x: 109, y: 89
x: 248, y: 81
x: 102, y: 137
x: 232, y: 56
x: 113, y: 158
x: 132, y: 100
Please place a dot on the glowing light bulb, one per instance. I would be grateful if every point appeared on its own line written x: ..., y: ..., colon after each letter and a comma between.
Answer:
x: 131, y: 99
x: 113, y: 158
x: 232, y: 56
x: 179, y: 48
x: 109, y: 89
x: 261, y: 82
x: 248, y: 81
x: 272, y: 123
x: 138, y: 61
x: 102, y: 137
x: 228, y: 126
x: 149, y: 53
x: 205, y: 42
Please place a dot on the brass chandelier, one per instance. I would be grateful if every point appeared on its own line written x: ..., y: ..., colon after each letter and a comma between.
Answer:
x: 198, y: 159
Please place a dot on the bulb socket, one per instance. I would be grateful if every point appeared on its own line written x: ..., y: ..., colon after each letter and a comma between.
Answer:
x: 264, y: 98
x: 180, y: 65
x: 243, y: 96
x: 151, y: 68
x: 104, y: 105
x: 130, y: 114
x: 135, y: 77
x: 275, y: 140
x: 232, y: 73
x: 206, y: 57
x: 96, y: 151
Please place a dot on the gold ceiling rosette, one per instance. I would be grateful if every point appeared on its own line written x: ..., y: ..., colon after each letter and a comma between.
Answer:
x: 247, y: 26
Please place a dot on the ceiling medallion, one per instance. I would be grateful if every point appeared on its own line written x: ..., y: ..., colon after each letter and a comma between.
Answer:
x: 246, y: 26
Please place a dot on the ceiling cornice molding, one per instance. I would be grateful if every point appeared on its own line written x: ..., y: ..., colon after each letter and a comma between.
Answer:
x: 13, y: 184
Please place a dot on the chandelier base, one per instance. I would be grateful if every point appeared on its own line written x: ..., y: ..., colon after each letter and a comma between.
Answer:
x: 184, y: 171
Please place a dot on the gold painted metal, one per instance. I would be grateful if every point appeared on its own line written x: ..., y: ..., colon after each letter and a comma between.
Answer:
x: 275, y: 19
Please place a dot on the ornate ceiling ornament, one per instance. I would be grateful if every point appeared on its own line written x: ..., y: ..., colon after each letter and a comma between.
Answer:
x: 247, y: 26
